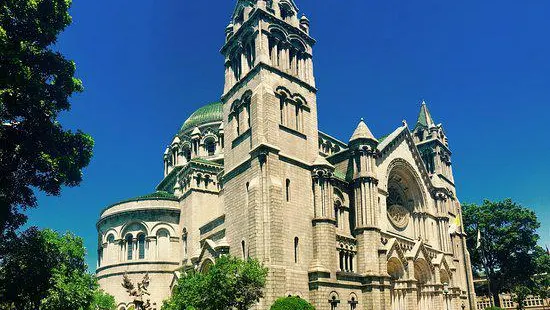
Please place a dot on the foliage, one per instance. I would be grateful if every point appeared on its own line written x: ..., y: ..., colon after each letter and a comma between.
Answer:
x: 103, y: 301
x: 494, y: 308
x: 291, y: 303
x: 542, y: 279
x: 539, y: 284
x: 47, y: 270
x: 36, y: 83
x: 230, y: 283
x: 519, y: 295
x: 509, y: 239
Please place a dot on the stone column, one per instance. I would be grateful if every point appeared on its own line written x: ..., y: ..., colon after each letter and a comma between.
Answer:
x: 151, y: 253
x: 262, y: 46
x: 228, y: 76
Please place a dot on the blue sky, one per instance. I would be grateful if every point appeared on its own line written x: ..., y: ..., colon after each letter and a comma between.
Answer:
x: 482, y: 66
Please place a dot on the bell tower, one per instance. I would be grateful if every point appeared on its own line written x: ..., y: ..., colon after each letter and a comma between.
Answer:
x: 268, y: 60
x: 271, y: 141
x: 433, y: 145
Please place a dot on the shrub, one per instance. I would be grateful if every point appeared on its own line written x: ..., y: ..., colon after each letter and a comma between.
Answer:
x: 291, y: 303
x: 494, y: 308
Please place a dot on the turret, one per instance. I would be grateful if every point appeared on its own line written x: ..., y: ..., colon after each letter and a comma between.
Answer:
x: 324, y: 220
x: 433, y: 144
x: 363, y: 146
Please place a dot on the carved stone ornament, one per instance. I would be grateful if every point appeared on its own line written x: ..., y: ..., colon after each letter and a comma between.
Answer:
x: 399, y: 216
x: 138, y: 295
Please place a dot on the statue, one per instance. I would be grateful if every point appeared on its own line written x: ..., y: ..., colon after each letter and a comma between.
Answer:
x: 139, y: 293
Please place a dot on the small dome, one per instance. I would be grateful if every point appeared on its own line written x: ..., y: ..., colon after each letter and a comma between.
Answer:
x: 209, y: 113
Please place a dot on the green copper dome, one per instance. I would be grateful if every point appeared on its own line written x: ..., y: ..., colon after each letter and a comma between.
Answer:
x: 209, y: 113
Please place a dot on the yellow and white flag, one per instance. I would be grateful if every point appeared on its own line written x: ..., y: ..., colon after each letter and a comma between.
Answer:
x: 455, y: 225
x: 478, y: 243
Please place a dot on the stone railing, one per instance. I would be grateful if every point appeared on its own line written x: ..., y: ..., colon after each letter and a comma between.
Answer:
x: 507, y: 302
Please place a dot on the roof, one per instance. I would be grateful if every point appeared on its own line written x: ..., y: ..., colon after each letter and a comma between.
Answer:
x: 362, y: 132
x: 388, y: 139
x: 321, y: 161
x: 158, y: 195
x: 205, y: 161
x: 425, y: 118
x: 212, y: 112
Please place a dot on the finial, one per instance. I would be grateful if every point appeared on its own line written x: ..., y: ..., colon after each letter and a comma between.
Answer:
x: 404, y: 123
x: 362, y: 119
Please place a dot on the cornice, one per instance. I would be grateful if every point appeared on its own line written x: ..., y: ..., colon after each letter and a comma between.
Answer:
x: 243, y: 82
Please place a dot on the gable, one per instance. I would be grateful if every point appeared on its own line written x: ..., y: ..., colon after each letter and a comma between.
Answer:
x: 400, y: 144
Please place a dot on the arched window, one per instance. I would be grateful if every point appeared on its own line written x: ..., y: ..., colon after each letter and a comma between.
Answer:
x: 287, y: 191
x: 99, y: 256
x: 141, y: 246
x: 210, y: 146
x: 341, y: 254
x: 353, y: 303
x: 237, y: 123
x: 243, y: 246
x: 334, y: 301
x: 110, y: 239
x: 163, y: 243
x: 236, y: 65
x: 250, y: 54
x: 187, y: 154
x: 247, y: 110
x: 282, y: 107
x: 337, y: 206
x: 175, y: 156
x: 296, y: 248
x: 129, y: 247
x: 286, y: 11
x: 184, y: 240
x: 298, y: 118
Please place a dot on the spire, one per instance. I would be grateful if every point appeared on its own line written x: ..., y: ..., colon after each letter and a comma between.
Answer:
x: 362, y: 132
x: 425, y: 118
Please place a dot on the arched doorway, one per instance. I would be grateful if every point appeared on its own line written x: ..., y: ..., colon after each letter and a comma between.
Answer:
x: 398, y: 290
x: 423, y: 276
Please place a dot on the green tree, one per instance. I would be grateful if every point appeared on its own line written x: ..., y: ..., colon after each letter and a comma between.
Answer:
x: 542, y: 277
x: 103, y: 301
x: 36, y: 83
x: 508, y: 241
x: 291, y: 303
x: 46, y: 270
x: 230, y: 283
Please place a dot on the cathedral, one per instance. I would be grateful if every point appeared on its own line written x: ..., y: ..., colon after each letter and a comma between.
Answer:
x: 363, y: 223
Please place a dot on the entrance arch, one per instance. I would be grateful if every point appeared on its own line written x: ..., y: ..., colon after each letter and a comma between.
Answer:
x: 398, y: 290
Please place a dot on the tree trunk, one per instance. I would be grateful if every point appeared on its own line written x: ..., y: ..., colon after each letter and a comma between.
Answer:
x: 496, y: 299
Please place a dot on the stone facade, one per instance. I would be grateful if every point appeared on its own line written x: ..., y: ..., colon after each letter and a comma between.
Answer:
x: 367, y: 224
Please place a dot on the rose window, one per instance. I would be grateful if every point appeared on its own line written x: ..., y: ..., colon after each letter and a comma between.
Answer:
x: 398, y: 213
